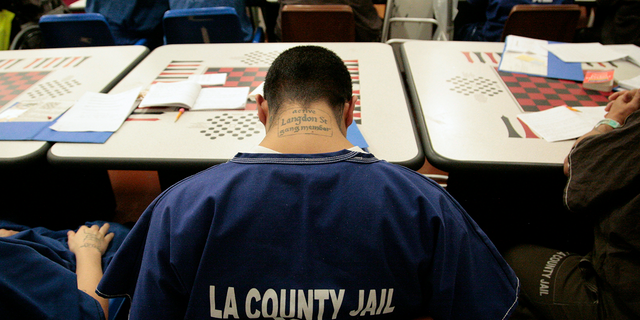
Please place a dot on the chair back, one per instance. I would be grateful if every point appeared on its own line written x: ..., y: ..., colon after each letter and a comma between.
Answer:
x: 546, y: 22
x: 318, y: 23
x: 245, y: 16
x: 75, y: 30
x: 202, y: 25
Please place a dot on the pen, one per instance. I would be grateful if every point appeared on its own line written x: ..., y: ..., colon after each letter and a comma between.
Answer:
x: 180, y: 112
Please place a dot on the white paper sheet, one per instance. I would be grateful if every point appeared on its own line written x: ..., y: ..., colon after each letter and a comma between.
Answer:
x: 172, y: 94
x: 35, y: 110
x: 632, y: 52
x: 222, y: 98
x: 522, y: 63
x: 525, y: 55
x: 258, y: 90
x: 213, y: 79
x: 560, y: 123
x: 630, y: 84
x: 526, y: 45
x: 98, y: 112
x: 584, y: 52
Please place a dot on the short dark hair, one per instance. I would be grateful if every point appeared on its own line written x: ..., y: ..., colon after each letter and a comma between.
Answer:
x: 306, y: 74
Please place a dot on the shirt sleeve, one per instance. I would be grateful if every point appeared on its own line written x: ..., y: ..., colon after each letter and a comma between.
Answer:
x: 140, y: 271
x: 159, y: 292
x: 603, y: 168
x: 153, y: 265
x: 36, y: 287
x: 468, y: 278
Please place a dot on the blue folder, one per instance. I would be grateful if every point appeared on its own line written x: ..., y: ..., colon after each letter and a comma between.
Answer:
x: 40, y: 131
x: 557, y: 68
x: 355, y: 136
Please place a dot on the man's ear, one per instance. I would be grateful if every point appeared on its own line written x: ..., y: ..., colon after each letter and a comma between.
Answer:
x: 348, y: 111
x: 263, y: 109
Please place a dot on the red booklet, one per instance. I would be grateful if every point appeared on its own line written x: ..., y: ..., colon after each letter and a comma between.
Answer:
x: 601, y: 80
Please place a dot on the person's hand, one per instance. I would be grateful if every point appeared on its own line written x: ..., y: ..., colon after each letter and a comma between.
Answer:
x: 90, y: 239
x: 7, y: 233
x: 622, y: 104
x: 89, y: 244
x: 615, y: 95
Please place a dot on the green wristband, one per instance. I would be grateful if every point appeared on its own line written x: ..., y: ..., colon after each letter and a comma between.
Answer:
x: 610, y: 122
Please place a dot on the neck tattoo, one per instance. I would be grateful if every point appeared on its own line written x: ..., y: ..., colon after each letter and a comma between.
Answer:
x: 304, y: 121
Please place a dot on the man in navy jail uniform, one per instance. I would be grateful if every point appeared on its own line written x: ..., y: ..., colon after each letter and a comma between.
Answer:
x: 132, y: 20
x: 307, y: 226
x: 47, y: 274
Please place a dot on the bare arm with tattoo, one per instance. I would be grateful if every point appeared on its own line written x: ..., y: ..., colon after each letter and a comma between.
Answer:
x: 89, y: 244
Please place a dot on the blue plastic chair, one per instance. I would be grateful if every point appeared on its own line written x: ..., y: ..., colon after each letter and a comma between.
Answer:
x: 239, y: 5
x: 77, y: 30
x: 205, y: 25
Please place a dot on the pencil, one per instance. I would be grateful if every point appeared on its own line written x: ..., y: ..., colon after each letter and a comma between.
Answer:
x: 180, y: 112
x: 573, y: 109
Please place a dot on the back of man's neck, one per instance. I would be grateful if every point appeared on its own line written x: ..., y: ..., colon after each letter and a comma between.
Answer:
x: 305, y: 131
